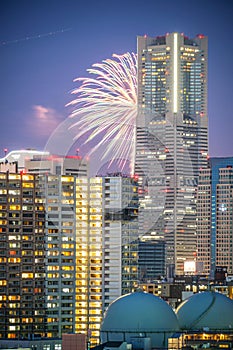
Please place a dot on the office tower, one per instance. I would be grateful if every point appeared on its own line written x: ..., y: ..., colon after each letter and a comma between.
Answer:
x: 106, y: 231
x: 151, y: 259
x: 215, y: 216
x: 171, y: 139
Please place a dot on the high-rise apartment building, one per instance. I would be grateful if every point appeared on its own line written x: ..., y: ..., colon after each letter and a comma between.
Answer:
x: 59, y: 195
x: 22, y: 257
x: 37, y: 257
x: 106, y: 231
x: 215, y: 216
x: 171, y: 139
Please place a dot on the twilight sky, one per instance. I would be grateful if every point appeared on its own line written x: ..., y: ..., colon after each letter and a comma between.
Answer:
x: 45, y: 44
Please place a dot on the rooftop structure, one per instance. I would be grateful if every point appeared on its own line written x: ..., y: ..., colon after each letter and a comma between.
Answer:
x: 208, y: 310
x: 20, y: 156
x: 57, y: 165
x: 143, y: 321
x: 139, y: 315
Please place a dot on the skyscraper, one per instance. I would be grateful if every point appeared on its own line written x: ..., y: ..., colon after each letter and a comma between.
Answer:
x: 171, y: 139
x: 215, y: 216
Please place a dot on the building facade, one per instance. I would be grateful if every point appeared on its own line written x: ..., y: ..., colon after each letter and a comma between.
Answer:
x: 106, y: 231
x: 38, y: 255
x: 67, y: 249
x: 151, y: 259
x: 171, y: 139
x: 22, y: 257
x: 59, y: 165
x: 20, y: 156
x: 215, y: 216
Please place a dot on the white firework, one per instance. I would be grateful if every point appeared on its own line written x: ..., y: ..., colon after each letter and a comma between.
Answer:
x: 106, y: 105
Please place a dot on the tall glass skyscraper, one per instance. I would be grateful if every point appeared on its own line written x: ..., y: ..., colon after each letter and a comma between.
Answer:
x: 171, y: 140
x: 215, y: 216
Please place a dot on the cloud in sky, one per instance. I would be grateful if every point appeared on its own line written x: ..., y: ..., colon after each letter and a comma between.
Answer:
x: 43, y: 121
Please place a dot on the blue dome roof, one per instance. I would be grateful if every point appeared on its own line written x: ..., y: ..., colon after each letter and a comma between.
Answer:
x: 206, y: 310
x: 139, y: 311
x: 139, y: 315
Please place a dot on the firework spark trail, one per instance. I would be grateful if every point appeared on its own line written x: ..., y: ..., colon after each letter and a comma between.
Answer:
x: 39, y: 36
x: 107, y: 105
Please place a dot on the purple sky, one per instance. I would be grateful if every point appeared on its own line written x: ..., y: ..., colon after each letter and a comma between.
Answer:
x: 45, y: 44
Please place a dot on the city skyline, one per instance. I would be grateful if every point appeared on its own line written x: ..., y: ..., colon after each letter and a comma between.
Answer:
x: 45, y: 46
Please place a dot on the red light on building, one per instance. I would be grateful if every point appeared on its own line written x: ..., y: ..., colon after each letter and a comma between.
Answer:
x: 73, y: 157
x: 200, y: 36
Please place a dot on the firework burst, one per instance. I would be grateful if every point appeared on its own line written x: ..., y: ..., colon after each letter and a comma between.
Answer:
x: 106, y: 106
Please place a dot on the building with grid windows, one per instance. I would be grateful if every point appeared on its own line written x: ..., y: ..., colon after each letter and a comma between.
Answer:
x: 171, y: 139
x: 106, y: 247
x: 67, y: 249
x: 22, y: 257
x: 55, y: 164
x: 151, y: 259
x: 215, y: 216
x: 37, y: 262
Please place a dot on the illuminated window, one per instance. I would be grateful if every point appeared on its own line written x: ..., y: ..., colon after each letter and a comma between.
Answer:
x: 57, y: 346
x: 14, y: 177
x: 14, y: 207
x: 27, y: 177
x: 67, y: 179
x: 67, y: 268
x: 14, y: 297
x: 28, y: 185
x: 67, y: 201
x: 27, y: 275
x: 14, y: 260
x: 53, y: 268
